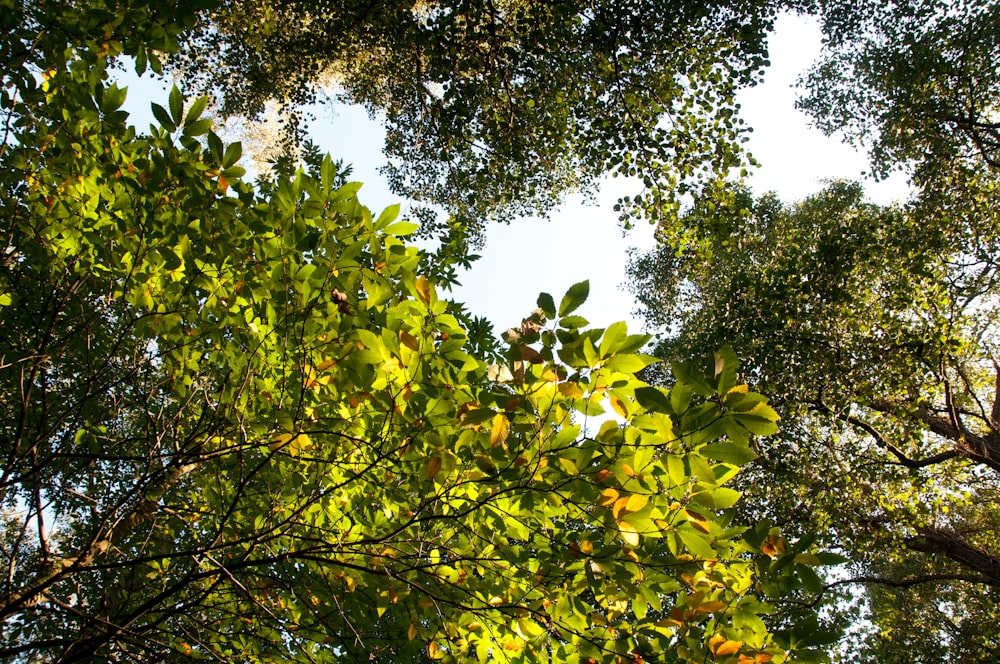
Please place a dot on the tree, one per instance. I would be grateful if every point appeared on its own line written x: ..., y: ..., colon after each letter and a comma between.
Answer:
x: 873, y: 327
x: 874, y: 331
x: 918, y: 83
x: 241, y: 424
x: 499, y: 109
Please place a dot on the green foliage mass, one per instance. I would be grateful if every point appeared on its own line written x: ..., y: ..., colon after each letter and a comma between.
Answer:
x: 498, y: 109
x: 874, y: 330
x: 239, y: 423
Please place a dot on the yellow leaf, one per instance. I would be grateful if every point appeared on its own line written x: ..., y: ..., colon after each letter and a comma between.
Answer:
x: 408, y: 340
x: 619, y: 508
x: 326, y: 364
x: 608, y: 497
x: 712, y: 607
x: 728, y: 648
x: 279, y: 441
x: 308, y: 376
x: 424, y: 289
x: 411, y: 633
x: 628, y: 470
x: 527, y: 628
x: 500, y: 429
x: 636, y: 503
x: 698, y: 522
x: 669, y: 622
x: 496, y: 601
x: 619, y: 407
x: 774, y: 546
x: 571, y: 390
x: 629, y: 533
x: 295, y: 443
x: 433, y: 650
x: 765, y: 411
x: 602, y: 475
x: 433, y: 466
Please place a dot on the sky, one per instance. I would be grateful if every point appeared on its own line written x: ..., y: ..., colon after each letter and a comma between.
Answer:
x: 584, y: 241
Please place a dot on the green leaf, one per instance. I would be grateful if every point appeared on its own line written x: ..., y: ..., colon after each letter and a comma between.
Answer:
x: 630, y: 363
x: 387, y: 216
x: 197, y: 108
x: 575, y: 296
x: 688, y: 375
x: 233, y: 153
x: 113, y: 98
x: 827, y: 558
x: 215, y: 147
x: 612, y: 339
x: 163, y: 117
x: 696, y: 542
x: 737, y: 455
x: 726, y: 365
x: 757, y: 425
x: 176, y: 106
x: 573, y: 322
x: 198, y: 127
x: 653, y: 399
x: 547, y: 305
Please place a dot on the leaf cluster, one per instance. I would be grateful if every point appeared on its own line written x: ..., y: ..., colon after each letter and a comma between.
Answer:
x: 497, y: 110
x: 240, y: 422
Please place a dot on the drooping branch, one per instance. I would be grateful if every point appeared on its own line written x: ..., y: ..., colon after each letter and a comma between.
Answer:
x: 909, y: 581
x: 905, y: 582
x: 880, y: 440
x: 33, y: 592
x: 981, y: 449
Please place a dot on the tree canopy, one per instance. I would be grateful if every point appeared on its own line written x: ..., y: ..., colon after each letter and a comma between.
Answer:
x: 241, y: 423
x: 495, y: 110
x: 873, y: 329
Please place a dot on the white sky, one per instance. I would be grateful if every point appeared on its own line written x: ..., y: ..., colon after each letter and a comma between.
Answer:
x: 584, y: 241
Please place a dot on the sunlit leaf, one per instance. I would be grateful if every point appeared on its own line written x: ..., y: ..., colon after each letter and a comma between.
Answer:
x: 500, y: 429
x: 424, y: 289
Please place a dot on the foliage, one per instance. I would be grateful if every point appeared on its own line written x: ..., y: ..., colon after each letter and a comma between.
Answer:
x: 874, y: 330
x: 498, y: 109
x: 916, y: 82
x: 241, y: 424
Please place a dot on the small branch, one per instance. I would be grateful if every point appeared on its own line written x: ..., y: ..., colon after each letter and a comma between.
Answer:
x: 913, y: 580
x: 881, y: 442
